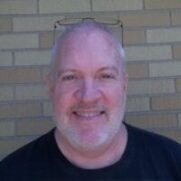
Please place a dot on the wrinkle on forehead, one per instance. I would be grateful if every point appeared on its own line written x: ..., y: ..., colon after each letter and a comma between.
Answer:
x: 91, y: 39
x: 94, y: 40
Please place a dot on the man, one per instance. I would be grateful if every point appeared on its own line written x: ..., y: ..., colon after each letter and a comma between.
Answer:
x: 87, y: 84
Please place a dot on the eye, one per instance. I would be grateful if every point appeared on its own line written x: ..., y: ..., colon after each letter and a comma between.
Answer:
x: 69, y: 77
x: 107, y: 76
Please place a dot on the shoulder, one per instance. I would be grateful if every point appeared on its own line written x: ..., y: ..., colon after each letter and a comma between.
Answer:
x: 160, y: 155
x: 154, y: 142
x: 27, y: 153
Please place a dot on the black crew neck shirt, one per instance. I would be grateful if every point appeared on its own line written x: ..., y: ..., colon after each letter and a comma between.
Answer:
x: 147, y: 156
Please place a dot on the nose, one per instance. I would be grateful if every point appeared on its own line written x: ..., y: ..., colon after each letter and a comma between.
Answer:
x: 88, y: 91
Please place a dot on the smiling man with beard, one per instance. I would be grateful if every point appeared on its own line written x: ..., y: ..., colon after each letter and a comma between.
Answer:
x: 87, y: 84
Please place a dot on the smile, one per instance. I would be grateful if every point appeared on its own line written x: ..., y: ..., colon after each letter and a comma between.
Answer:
x: 88, y: 114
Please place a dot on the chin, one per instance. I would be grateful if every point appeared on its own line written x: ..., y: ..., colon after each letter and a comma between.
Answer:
x: 87, y: 138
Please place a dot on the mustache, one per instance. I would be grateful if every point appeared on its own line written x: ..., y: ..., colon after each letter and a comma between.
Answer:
x: 88, y: 106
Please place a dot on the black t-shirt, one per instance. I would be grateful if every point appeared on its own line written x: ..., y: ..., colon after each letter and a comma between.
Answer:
x: 147, y: 157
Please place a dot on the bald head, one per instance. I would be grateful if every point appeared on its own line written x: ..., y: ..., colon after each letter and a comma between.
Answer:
x: 90, y: 35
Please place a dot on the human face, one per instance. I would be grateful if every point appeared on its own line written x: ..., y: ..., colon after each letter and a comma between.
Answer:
x: 89, y: 93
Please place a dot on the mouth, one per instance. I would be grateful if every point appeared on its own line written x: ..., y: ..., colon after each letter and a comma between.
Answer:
x: 88, y: 114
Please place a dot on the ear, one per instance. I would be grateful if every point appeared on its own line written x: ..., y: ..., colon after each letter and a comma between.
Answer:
x: 125, y: 81
x: 50, y: 84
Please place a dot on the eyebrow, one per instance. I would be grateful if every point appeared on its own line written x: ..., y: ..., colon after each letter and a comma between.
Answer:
x: 60, y: 72
x: 112, y: 68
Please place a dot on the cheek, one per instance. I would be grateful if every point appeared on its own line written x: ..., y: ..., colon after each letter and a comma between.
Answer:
x: 115, y: 97
x: 62, y: 98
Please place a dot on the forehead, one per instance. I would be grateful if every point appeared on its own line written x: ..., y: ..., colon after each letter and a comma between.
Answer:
x: 87, y: 47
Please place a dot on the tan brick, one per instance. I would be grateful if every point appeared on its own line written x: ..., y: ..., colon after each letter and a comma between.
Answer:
x: 10, y: 145
x: 16, y: 41
x: 18, y: 7
x: 46, y: 39
x: 20, y: 110
x: 45, y: 71
x: 165, y: 69
x: 164, y: 35
x: 141, y: 19
x: 137, y: 104
x: 172, y: 134
x: 176, y: 18
x: 34, y: 127
x: 177, y: 51
x: 116, y: 5
x: 47, y: 109
x: 162, y: 4
x: 63, y: 6
x: 7, y: 128
x: 34, y: 23
x: 153, y: 120
x: 171, y: 102
x: 6, y: 58
x: 178, y: 85
x: 108, y: 16
x: 134, y: 37
x: 32, y: 57
x: 137, y: 70
x: 150, y: 87
x: 6, y: 93
x: 30, y: 92
x: 20, y: 75
x: 179, y: 123
x: 5, y: 24
x: 134, y: 53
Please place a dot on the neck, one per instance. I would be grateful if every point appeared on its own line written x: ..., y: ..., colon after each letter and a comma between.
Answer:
x: 94, y: 159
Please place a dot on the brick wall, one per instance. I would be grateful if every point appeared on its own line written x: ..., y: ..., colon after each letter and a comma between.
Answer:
x: 152, y: 41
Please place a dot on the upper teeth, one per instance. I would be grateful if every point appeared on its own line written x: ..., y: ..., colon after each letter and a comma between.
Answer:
x: 83, y: 114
